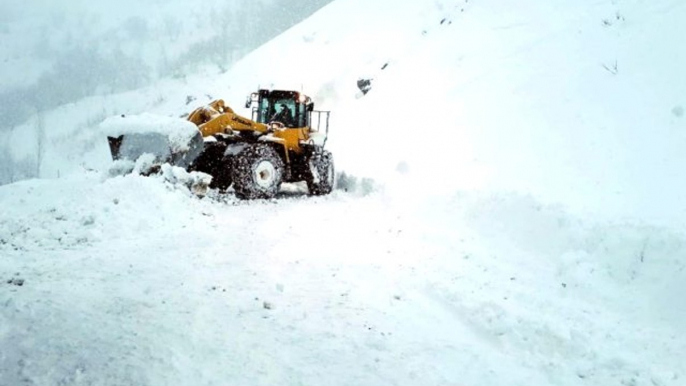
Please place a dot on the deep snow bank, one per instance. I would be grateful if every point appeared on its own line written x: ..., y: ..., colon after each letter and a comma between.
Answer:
x: 64, y: 213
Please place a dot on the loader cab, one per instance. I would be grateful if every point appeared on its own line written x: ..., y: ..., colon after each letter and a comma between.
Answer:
x: 266, y: 104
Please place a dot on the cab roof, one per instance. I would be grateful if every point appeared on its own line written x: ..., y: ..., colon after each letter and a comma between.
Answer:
x: 284, y: 94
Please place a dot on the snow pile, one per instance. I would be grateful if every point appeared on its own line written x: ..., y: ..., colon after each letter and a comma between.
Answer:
x: 197, y: 182
x: 81, y: 210
x: 179, y: 132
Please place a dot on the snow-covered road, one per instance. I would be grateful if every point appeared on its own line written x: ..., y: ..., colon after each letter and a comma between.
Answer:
x: 345, y: 289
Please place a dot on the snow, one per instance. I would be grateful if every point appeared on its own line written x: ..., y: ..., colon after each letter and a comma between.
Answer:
x: 179, y: 132
x: 508, y: 211
x: 133, y: 280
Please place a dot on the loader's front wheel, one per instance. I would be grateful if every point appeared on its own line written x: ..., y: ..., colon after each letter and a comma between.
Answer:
x: 257, y: 172
x: 320, y: 178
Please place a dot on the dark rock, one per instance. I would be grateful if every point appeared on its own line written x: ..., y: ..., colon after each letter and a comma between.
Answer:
x: 364, y: 85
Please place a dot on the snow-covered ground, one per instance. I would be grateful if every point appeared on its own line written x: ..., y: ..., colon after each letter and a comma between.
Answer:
x: 517, y: 216
x: 131, y: 280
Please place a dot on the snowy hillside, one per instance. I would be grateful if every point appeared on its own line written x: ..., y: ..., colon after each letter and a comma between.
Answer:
x: 512, y: 215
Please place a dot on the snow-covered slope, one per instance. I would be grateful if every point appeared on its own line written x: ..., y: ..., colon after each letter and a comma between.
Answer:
x: 505, y: 145
x: 518, y: 96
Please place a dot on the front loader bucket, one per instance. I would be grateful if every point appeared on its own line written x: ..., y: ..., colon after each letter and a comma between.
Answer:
x: 133, y: 145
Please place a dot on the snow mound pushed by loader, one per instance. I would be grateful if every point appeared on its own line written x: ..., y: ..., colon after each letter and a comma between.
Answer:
x: 168, y: 139
x: 178, y: 131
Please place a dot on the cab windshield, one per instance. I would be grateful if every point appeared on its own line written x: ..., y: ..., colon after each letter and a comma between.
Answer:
x: 281, y: 107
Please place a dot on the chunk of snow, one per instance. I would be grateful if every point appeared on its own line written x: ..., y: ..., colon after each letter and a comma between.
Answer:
x: 120, y: 167
x: 196, y: 182
x: 144, y: 163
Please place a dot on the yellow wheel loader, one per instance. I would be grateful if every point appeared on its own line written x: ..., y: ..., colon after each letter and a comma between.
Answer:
x: 283, y: 141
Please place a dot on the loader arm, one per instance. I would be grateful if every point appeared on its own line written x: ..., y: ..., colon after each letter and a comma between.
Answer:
x: 217, y: 118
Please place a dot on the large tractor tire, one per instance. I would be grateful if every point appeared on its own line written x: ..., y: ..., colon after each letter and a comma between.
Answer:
x: 320, y: 178
x: 213, y: 162
x: 257, y: 172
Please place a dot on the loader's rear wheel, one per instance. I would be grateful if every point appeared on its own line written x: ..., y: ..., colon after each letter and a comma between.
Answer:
x: 320, y: 177
x: 257, y: 172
